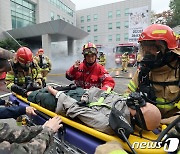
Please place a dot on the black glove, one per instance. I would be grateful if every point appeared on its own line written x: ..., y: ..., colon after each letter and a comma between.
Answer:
x: 33, y: 86
x: 66, y: 88
x: 135, y: 99
x: 19, y: 90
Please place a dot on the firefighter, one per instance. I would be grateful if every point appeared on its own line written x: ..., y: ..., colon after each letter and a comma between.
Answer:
x: 125, y: 61
x: 89, y: 73
x: 24, y: 72
x: 43, y: 62
x: 102, y: 58
x: 158, y: 78
x: 139, y: 58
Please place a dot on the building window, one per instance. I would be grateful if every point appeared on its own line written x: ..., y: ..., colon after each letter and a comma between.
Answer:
x: 118, y: 13
x: 82, y: 19
x: 82, y: 27
x: 22, y: 13
x: 118, y: 25
x: 88, y: 28
x: 95, y: 17
x: 109, y: 25
x: 62, y: 6
x: 126, y: 12
x: 109, y: 38
x: 88, y: 18
x: 126, y: 24
x: 95, y: 39
x: 95, y: 28
x: 110, y: 14
x: 125, y: 36
x: 117, y: 37
x: 52, y: 15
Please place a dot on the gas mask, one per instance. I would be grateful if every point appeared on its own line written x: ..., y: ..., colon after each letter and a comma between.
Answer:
x: 156, y: 54
x: 152, y: 61
x: 26, y: 66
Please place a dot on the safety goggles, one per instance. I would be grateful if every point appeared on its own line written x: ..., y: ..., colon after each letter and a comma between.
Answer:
x: 90, y: 51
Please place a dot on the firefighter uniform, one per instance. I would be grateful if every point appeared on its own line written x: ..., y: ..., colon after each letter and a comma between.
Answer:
x: 21, y: 77
x: 23, y: 70
x: 102, y: 59
x: 94, y: 75
x: 125, y: 61
x: 44, y: 64
x: 139, y: 58
x: 158, y: 78
x: 89, y: 73
x: 163, y: 93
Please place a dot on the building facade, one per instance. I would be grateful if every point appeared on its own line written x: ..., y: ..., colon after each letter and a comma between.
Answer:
x: 111, y: 24
x: 40, y: 22
x: 56, y: 24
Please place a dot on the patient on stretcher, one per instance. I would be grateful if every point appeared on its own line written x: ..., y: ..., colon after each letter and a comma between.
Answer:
x: 84, y: 104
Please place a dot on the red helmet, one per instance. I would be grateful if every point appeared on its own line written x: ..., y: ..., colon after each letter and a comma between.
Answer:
x: 24, y: 55
x: 41, y: 51
x: 89, y: 48
x: 159, y: 32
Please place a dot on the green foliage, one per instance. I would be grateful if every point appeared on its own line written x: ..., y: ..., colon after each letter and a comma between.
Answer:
x: 10, y: 44
x: 175, y: 8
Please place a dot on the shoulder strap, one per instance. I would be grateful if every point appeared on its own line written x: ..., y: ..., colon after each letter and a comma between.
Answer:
x: 166, y: 83
x: 101, y: 99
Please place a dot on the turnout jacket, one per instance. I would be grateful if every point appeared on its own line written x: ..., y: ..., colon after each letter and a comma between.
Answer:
x: 163, y: 93
x: 21, y: 74
x: 88, y: 76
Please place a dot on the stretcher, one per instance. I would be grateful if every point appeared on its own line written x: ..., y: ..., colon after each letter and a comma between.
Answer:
x: 78, y: 138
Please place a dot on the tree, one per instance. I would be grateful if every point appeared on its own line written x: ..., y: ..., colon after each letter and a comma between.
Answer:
x: 175, y: 8
x: 10, y: 44
x: 161, y: 18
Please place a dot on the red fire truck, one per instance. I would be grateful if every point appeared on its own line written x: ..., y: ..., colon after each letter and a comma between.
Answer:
x: 131, y: 48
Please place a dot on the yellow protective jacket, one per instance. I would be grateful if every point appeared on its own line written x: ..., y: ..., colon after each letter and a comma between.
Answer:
x: 102, y: 60
x: 139, y: 57
x: 20, y: 74
x: 125, y: 58
x: 163, y: 93
x: 46, y: 63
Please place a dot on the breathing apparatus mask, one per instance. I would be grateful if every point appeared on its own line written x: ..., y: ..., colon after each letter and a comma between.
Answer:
x: 155, y: 54
x: 25, y: 66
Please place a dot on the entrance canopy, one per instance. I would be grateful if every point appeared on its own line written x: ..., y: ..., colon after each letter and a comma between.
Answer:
x: 59, y: 30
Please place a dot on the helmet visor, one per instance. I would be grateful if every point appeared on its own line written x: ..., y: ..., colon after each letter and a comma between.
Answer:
x: 89, y: 51
x: 151, y: 48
